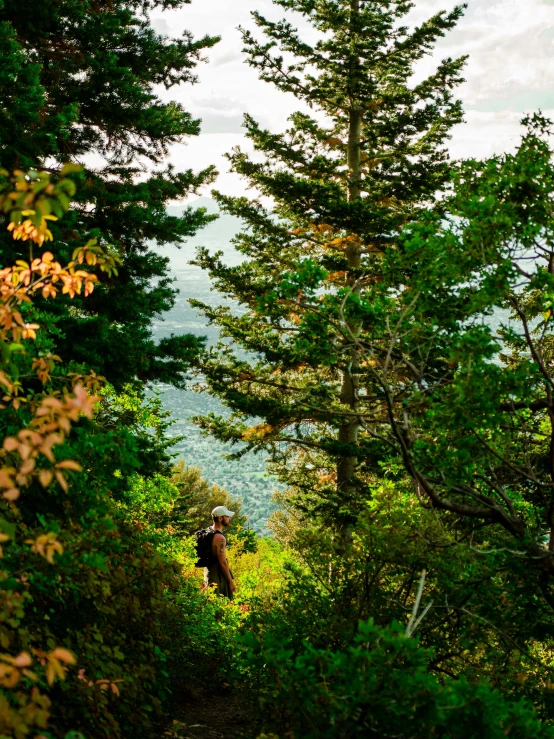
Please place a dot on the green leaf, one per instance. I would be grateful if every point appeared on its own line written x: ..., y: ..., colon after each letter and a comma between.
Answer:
x: 70, y: 168
x: 8, y: 528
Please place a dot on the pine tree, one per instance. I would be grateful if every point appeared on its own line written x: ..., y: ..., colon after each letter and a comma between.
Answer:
x: 346, y: 178
x: 77, y: 85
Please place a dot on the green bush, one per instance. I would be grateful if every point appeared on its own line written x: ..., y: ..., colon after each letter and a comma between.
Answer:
x: 378, y: 686
x: 122, y: 597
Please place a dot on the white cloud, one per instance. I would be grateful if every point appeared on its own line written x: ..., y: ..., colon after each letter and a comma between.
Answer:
x: 511, y: 45
x: 484, y: 134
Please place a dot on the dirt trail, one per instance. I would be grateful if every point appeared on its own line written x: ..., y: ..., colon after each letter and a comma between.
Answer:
x: 221, y: 715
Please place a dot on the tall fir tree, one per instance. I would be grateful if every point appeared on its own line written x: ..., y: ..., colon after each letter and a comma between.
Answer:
x: 345, y: 180
x: 78, y: 84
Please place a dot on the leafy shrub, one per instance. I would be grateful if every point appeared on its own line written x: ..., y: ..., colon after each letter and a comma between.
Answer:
x: 378, y: 686
x: 259, y: 574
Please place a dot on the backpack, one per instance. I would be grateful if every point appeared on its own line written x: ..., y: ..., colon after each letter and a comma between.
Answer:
x: 204, y: 539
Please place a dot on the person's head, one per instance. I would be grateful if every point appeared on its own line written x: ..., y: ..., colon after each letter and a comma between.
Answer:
x: 222, y: 515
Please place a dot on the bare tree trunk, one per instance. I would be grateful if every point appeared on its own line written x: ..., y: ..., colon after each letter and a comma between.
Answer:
x: 348, y: 432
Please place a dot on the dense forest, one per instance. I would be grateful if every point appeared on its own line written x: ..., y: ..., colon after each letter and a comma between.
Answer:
x: 392, y: 360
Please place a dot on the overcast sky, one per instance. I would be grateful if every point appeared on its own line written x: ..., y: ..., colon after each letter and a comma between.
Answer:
x: 510, y: 72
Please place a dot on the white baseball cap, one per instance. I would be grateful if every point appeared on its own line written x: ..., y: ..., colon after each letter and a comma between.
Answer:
x: 220, y: 510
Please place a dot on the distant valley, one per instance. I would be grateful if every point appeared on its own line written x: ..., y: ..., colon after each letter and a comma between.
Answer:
x: 246, y: 478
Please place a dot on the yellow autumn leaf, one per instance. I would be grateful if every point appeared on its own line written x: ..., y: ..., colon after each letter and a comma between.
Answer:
x: 6, y: 480
x: 69, y: 464
x: 327, y: 478
x: 257, y: 432
x: 54, y: 670
x: 22, y: 660
x: 333, y: 141
x: 45, y: 477
x: 64, y: 655
x: 62, y: 481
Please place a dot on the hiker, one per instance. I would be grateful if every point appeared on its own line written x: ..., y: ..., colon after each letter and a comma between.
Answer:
x: 217, y: 570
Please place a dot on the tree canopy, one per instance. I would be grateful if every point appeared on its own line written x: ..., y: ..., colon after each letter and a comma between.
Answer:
x: 78, y: 84
x: 346, y: 180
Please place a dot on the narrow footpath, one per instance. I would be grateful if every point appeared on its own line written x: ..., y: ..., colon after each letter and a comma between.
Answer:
x: 221, y: 715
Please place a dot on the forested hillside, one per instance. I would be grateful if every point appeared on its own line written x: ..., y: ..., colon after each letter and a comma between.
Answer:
x: 246, y: 478
x: 379, y: 332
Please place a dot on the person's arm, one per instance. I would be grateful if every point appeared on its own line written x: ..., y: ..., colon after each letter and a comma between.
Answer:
x: 221, y: 551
